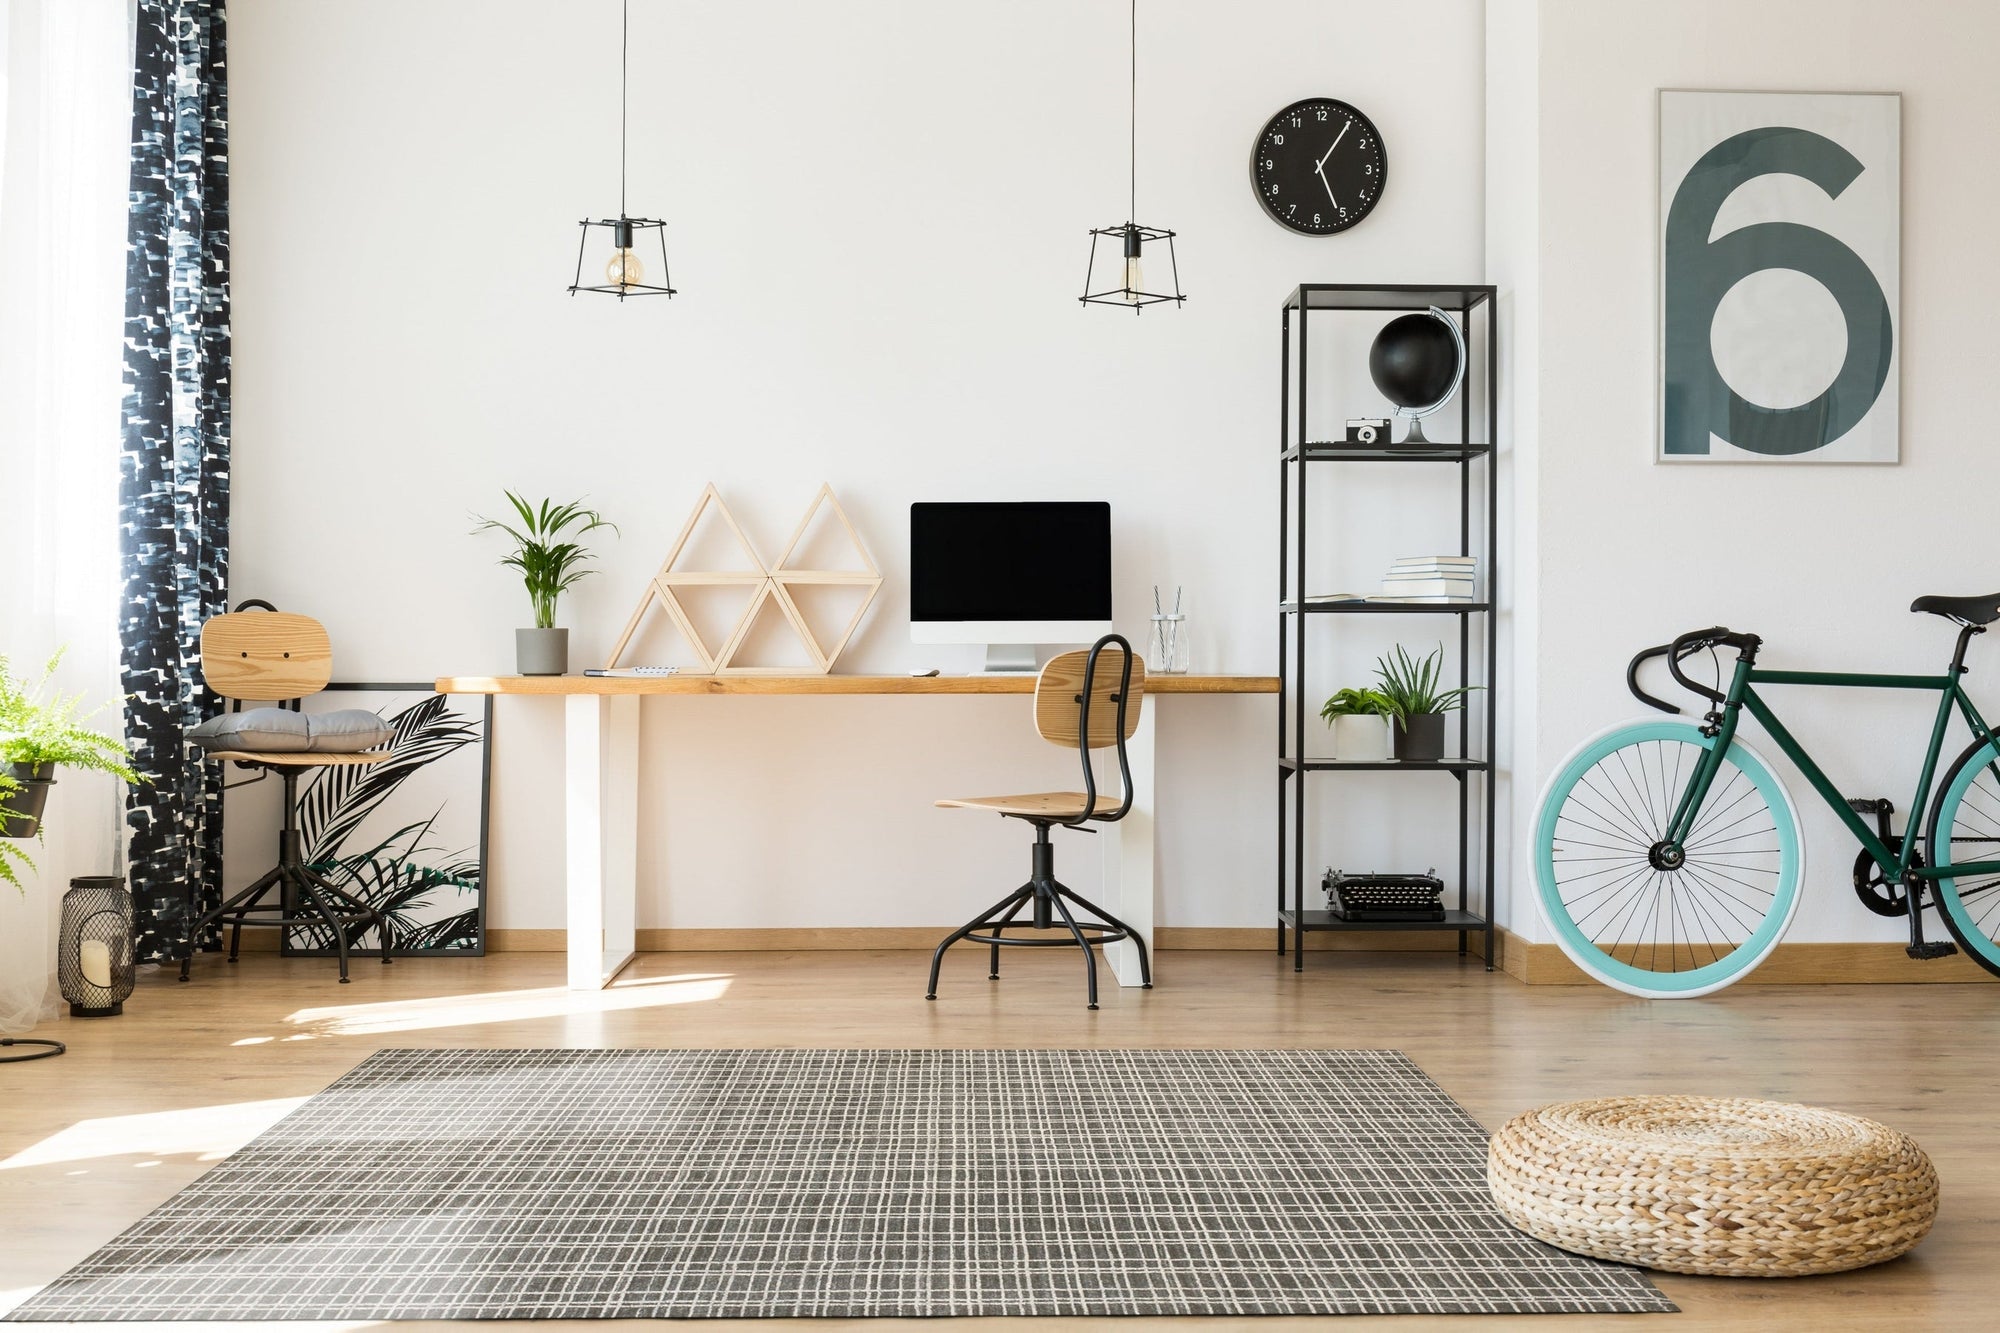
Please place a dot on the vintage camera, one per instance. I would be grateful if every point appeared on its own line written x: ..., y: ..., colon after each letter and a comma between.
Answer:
x: 1368, y: 430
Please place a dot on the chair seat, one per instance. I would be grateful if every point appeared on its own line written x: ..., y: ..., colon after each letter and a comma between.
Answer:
x: 299, y: 758
x: 1033, y: 805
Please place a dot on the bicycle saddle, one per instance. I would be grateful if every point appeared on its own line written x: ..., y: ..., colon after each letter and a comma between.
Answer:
x: 1965, y: 610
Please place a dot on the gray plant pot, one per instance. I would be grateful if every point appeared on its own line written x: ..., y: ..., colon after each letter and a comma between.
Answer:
x: 25, y: 803
x: 1420, y: 737
x: 541, y: 652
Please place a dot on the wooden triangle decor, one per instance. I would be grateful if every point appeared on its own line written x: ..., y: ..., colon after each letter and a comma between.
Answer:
x: 869, y: 577
x: 771, y: 584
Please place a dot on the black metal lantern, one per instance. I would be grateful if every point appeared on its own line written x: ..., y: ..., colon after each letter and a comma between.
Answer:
x: 625, y: 268
x: 94, y: 965
x: 1131, y: 238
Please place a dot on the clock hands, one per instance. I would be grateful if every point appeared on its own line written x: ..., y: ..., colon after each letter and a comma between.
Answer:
x: 1335, y: 144
x: 1319, y: 167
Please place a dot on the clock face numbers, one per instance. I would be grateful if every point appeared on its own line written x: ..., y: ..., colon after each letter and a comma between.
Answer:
x: 1318, y: 167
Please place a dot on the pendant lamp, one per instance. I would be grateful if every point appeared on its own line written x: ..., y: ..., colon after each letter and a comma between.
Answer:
x: 626, y: 270
x: 1130, y: 238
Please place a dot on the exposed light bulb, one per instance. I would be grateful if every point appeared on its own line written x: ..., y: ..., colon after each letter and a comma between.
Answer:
x: 1135, y: 277
x: 624, y: 271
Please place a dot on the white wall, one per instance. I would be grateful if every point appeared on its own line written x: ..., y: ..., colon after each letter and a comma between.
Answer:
x: 1821, y: 561
x: 878, y: 216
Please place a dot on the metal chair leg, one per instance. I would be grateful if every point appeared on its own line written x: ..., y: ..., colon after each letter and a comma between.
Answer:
x: 1145, y: 964
x: 377, y: 918
x: 1020, y: 901
x: 1083, y: 941
x: 985, y: 918
x: 311, y: 891
x: 244, y: 899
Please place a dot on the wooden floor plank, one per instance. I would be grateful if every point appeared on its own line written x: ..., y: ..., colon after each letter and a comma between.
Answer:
x: 145, y: 1102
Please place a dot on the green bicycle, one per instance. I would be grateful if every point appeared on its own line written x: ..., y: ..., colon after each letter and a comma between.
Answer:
x: 1668, y: 856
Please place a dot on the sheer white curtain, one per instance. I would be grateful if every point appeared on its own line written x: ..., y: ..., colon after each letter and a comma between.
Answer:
x: 65, y: 125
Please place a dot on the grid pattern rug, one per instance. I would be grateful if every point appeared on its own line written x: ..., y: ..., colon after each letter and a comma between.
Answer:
x: 441, y: 1184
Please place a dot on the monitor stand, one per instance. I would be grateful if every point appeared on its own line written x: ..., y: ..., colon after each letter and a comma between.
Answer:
x: 1011, y: 659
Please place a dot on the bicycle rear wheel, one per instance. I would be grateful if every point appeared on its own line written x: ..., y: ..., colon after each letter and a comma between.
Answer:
x: 1653, y: 930
x: 1964, y: 828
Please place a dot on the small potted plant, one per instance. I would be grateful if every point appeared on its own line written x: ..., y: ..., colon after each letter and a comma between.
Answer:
x: 549, y: 566
x: 1416, y: 703
x: 1358, y: 721
x: 42, y: 730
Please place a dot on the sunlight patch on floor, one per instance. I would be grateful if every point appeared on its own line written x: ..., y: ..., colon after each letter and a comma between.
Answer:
x: 208, y: 1133
x: 447, y: 1011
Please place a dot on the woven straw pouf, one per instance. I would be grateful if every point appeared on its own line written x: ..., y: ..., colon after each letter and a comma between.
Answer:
x: 1717, y: 1185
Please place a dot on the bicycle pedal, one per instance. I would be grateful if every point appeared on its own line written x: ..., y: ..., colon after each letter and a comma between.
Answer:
x: 1931, y: 949
x: 1871, y: 805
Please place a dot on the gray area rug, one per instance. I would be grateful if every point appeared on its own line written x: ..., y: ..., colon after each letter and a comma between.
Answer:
x: 442, y: 1184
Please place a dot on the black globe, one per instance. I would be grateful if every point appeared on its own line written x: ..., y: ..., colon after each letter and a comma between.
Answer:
x: 1414, y: 360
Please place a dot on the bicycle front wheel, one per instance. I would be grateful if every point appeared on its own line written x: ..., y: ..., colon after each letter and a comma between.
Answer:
x: 1964, y: 829
x: 1659, y: 931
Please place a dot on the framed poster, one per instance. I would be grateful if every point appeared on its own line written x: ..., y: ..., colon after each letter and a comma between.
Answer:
x: 1780, y: 276
x: 407, y: 834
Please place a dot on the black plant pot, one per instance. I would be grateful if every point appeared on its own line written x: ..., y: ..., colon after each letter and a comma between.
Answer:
x: 23, y: 806
x: 1420, y: 737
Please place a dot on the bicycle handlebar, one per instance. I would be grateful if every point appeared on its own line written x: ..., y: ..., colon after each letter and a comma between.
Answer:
x: 1678, y: 651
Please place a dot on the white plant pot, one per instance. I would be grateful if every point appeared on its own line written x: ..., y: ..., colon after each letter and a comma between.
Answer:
x: 1361, y: 736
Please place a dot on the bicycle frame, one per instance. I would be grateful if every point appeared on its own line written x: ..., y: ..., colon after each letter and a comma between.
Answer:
x: 1742, y: 695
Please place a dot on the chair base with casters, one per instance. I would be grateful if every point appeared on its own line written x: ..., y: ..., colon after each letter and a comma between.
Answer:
x: 1050, y: 898
x: 1080, y: 708
x: 305, y: 897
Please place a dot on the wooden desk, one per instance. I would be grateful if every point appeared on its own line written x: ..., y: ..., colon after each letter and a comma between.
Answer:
x: 601, y: 787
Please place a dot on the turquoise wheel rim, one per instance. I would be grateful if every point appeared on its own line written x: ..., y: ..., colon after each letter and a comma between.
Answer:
x: 1970, y: 933
x: 1582, y: 949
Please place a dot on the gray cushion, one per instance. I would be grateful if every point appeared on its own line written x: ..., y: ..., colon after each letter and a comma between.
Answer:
x: 270, y: 730
x: 346, y: 731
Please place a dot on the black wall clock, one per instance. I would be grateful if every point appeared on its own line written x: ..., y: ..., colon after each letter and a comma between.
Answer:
x: 1318, y: 167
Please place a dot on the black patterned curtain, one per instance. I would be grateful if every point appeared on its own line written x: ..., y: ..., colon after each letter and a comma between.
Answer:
x: 174, y: 473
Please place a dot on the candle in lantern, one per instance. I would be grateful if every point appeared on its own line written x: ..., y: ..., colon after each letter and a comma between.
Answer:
x: 94, y: 960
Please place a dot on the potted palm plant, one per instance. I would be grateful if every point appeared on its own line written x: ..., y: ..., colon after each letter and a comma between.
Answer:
x: 41, y: 730
x: 1416, y: 703
x: 549, y: 566
x: 1358, y: 721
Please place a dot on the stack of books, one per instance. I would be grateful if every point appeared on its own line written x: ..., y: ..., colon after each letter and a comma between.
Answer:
x: 1430, y: 578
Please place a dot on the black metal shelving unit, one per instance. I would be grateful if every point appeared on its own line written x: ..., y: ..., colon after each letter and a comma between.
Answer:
x: 1472, y: 306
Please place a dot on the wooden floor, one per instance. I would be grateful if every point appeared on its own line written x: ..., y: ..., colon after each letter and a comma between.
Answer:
x: 146, y: 1102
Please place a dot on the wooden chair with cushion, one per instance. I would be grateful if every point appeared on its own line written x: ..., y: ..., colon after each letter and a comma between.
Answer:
x: 270, y: 656
x: 1088, y: 699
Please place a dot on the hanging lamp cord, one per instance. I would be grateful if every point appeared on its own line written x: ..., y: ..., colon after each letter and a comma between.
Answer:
x: 1132, y: 202
x: 624, y: 76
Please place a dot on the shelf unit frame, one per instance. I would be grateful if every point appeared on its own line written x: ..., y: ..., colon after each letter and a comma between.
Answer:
x: 1474, y: 306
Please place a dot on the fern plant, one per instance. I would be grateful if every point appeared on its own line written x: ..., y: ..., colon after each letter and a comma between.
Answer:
x: 13, y: 858
x: 549, y: 565
x: 1409, y: 685
x: 40, y: 725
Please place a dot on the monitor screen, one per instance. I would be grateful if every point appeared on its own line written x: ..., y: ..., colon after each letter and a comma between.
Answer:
x: 1037, y: 560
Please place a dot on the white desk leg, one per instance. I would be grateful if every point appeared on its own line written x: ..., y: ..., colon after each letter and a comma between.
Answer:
x: 601, y: 756
x: 1128, y: 858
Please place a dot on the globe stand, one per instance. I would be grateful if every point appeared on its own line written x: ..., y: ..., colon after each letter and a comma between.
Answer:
x: 1416, y: 435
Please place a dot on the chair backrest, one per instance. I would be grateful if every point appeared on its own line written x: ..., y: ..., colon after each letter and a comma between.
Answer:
x: 265, y: 655
x: 1058, y: 691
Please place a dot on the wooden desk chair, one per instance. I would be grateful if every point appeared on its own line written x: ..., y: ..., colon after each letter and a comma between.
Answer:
x: 1089, y: 699
x: 272, y: 656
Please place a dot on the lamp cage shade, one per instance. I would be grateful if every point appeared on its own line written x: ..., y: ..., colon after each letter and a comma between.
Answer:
x: 1115, y: 277
x: 94, y: 961
x: 622, y: 257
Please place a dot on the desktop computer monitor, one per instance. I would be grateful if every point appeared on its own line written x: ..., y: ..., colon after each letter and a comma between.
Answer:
x: 1010, y: 576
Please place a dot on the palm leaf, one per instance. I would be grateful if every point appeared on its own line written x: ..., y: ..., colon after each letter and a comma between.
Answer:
x: 340, y: 798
